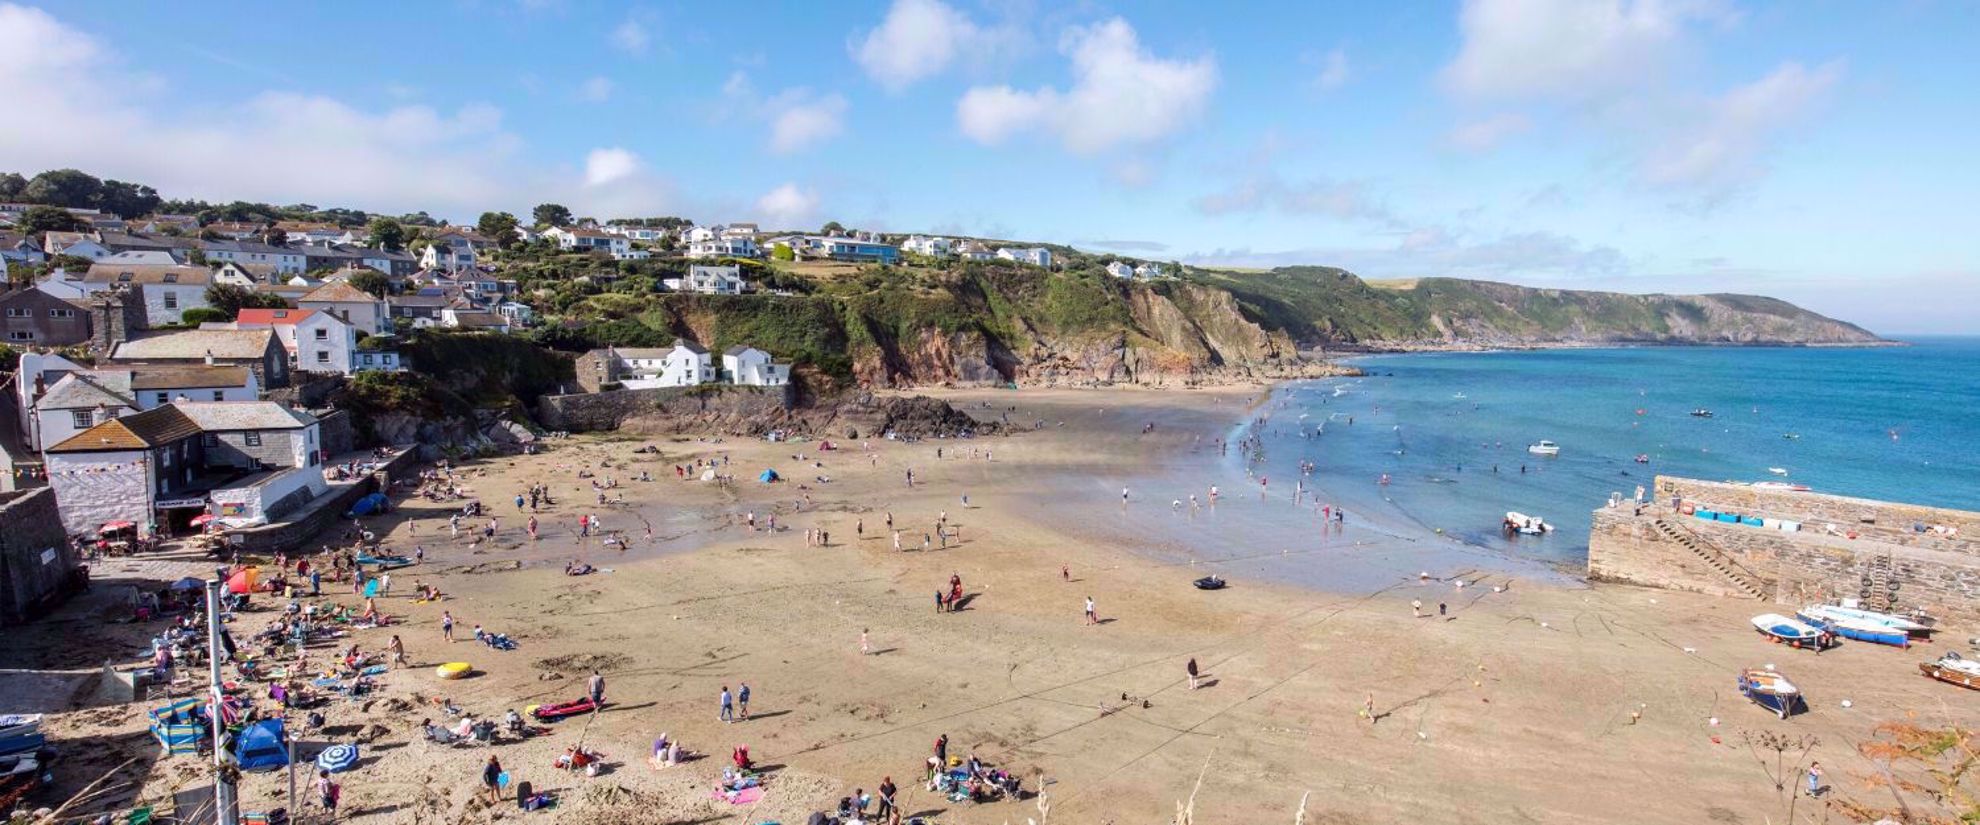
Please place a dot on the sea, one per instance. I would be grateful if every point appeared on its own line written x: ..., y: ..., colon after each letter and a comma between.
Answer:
x: 1426, y: 453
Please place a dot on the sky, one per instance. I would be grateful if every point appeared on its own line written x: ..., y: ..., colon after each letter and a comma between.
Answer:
x: 1820, y: 151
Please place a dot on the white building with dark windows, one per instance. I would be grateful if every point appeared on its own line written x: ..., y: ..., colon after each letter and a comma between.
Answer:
x: 1034, y: 256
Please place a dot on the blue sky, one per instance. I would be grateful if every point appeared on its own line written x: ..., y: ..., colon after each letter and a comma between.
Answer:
x: 1821, y: 151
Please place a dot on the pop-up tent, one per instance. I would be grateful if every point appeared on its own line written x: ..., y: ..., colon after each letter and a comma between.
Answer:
x: 767, y: 476
x: 262, y: 746
x: 374, y: 503
x: 243, y: 580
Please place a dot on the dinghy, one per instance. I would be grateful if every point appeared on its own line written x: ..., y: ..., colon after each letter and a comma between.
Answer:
x: 1544, y: 448
x: 1862, y: 630
x: 1770, y: 690
x: 1828, y: 612
x: 1526, y: 525
x: 1953, y: 670
x: 1210, y: 583
x: 1792, y: 631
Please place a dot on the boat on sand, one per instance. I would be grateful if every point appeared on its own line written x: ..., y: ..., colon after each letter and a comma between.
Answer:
x: 1794, y: 632
x: 1953, y: 669
x: 1771, y: 690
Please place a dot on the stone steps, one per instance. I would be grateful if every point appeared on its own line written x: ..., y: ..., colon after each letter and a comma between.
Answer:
x: 1713, y: 558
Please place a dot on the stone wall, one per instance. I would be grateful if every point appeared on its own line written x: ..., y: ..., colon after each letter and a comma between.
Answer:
x: 338, y: 435
x: 1939, y: 574
x: 320, y: 514
x: 607, y: 410
x: 35, y: 557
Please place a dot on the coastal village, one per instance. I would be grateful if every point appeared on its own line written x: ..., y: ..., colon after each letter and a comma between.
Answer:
x: 686, y: 579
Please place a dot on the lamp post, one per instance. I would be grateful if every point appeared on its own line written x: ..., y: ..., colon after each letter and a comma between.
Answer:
x: 226, y: 808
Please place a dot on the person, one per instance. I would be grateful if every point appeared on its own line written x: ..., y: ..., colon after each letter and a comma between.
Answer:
x: 447, y: 625
x: 1416, y: 608
x: 398, y: 650
x: 942, y: 749
x: 595, y: 688
x: 887, y: 791
x: 1192, y: 673
x: 1090, y: 617
x: 1065, y: 572
x: 327, y: 792
x: 1814, y: 779
x: 742, y: 702
x: 513, y: 722
x: 728, y: 713
x: 865, y: 649
x: 1443, y: 609
x: 491, y: 779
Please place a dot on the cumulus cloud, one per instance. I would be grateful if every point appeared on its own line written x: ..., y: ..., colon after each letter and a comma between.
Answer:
x: 1725, y: 146
x: 787, y: 206
x: 1121, y: 95
x: 1567, y: 48
x: 1333, y: 70
x: 596, y: 90
x: 631, y: 37
x: 1346, y: 200
x: 1529, y: 257
x: 917, y: 39
x: 1124, y: 245
x: 605, y: 166
x: 798, y: 118
x: 1486, y: 134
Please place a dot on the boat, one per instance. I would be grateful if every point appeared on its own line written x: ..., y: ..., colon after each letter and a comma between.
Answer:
x: 1953, y: 670
x: 1544, y: 448
x: 1795, y: 632
x: 1859, y: 629
x: 19, y: 724
x: 1643, y: 458
x: 1779, y: 471
x: 1771, y: 690
x: 1701, y: 412
x: 1210, y: 583
x: 1779, y: 485
x: 385, y: 561
x: 1791, y: 436
x: 1458, y: 396
x: 1915, y: 625
x: 1529, y: 525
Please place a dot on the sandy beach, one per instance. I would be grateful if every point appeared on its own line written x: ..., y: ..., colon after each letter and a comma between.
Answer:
x: 1515, y: 697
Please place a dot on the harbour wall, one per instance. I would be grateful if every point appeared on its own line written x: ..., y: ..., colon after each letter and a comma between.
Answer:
x: 1888, y: 564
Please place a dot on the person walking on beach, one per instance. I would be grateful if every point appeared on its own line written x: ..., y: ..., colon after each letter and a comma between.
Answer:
x: 398, y: 650
x: 897, y: 541
x: 728, y: 713
x: 447, y: 625
x: 942, y: 749
x: 1416, y: 608
x: 1814, y: 779
x: 1065, y: 573
x: 1090, y: 617
x: 327, y: 792
x: 1368, y: 708
x: 887, y: 791
x: 1192, y: 673
x: 742, y: 702
x: 595, y: 689
x: 491, y: 779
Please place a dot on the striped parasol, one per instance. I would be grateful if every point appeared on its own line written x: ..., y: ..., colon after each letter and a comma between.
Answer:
x: 338, y: 758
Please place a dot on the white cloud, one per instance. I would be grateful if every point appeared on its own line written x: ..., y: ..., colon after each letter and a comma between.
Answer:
x: 799, y: 121
x: 1725, y: 147
x: 787, y: 206
x: 1567, y: 48
x: 608, y: 165
x: 630, y: 37
x: 1485, y: 134
x: 1346, y: 200
x: 1333, y: 70
x: 1526, y: 257
x: 917, y: 39
x: 1121, y: 95
x: 596, y: 90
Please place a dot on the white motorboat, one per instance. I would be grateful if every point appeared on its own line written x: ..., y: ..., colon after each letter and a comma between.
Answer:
x: 1526, y: 525
x: 1857, y: 615
x: 1779, y: 471
x: 1544, y: 448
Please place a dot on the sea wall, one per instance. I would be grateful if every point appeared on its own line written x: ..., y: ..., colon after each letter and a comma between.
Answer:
x: 583, y: 412
x: 1888, y: 564
x: 35, y: 555
x: 318, y: 515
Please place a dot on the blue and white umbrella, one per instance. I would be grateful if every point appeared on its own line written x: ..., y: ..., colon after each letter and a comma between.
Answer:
x: 338, y: 758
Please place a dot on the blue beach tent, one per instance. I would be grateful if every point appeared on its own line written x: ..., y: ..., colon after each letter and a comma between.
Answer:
x: 260, y: 747
x: 767, y: 476
x: 374, y: 503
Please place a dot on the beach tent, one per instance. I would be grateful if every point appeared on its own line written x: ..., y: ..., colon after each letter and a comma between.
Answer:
x: 243, y: 580
x: 262, y: 747
x: 374, y: 503
x: 767, y: 476
x: 708, y: 474
x: 188, y: 583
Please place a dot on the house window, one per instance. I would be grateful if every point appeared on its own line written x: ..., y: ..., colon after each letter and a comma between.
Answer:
x: 323, y: 335
x: 219, y: 395
x: 209, y: 439
x: 252, y: 439
x: 323, y: 356
x: 20, y: 335
x: 171, y: 278
x: 164, y: 398
x: 171, y: 300
x: 18, y: 312
x: 83, y: 419
x: 61, y: 313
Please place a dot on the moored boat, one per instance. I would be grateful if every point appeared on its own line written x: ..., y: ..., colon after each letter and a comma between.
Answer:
x: 1529, y: 525
x: 1795, y: 632
x: 1770, y: 690
x: 1857, y: 629
x: 1544, y: 448
x: 1917, y: 625
x: 1210, y: 583
x: 1953, y: 670
x: 1701, y: 412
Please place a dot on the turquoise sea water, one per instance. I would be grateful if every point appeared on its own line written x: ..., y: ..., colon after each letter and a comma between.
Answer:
x: 1450, y: 432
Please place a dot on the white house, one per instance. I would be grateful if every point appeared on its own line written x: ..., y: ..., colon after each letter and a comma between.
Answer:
x: 972, y: 251
x: 357, y: 307
x: 685, y: 364
x: 317, y: 341
x: 725, y: 247
x: 1120, y: 269
x: 710, y: 280
x: 752, y: 367
x: 1035, y: 256
x: 80, y: 244
x: 699, y: 234
x: 587, y: 240
x: 931, y: 247
x: 637, y: 233
x: 168, y: 290
x: 451, y: 253
x: 284, y: 259
x: 519, y: 314
x: 1148, y: 271
x: 474, y: 320
x: 739, y: 230
x: 82, y: 399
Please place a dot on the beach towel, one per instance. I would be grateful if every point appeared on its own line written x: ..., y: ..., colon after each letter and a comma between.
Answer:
x: 371, y: 589
x: 552, y: 713
x: 375, y: 670
x: 746, y: 796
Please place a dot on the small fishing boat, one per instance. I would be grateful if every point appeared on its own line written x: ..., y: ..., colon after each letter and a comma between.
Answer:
x: 1858, y: 629
x: 1643, y: 458
x: 1791, y: 436
x: 385, y: 561
x: 1458, y: 396
x: 1210, y: 583
x: 1701, y: 412
x: 1770, y: 690
x: 19, y: 724
x: 1914, y: 625
x: 1953, y: 670
x: 1795, y: 632
x: 1522, y: 523
x: 1779, y: 471
x: 1544, y: 448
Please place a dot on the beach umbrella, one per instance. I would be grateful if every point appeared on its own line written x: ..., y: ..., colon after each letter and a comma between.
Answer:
x: 338, y: 758
x: 188, y: 583
x: 202, y: 518
x: 114, y: 526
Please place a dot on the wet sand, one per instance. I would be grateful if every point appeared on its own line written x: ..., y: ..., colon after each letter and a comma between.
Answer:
x: 1516, y: 706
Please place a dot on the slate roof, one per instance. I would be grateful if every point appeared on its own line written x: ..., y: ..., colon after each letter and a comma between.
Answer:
x: 188, y: 378
x: 137, y: 431
x: 339, y: 292
x: 232, y: 344
x: 88, y: 388
x: 218, y: 416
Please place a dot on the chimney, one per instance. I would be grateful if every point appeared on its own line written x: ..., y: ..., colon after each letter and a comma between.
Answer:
x: 209, y: 358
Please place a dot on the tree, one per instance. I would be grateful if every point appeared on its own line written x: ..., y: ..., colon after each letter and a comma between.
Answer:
x: 231, y: 299
x: 500, y: 226
x: 69, y: 262
x: 274, y: 236
x: 551, y: 214
x: 782, y: 252
x: 64, y: 187
x: 387, y: 234
x: 831, y: 228
x: 12, y: 185
x: 372, y: 281
x: 127, y: 199
x: 39, y: 219
x: 199, y: 315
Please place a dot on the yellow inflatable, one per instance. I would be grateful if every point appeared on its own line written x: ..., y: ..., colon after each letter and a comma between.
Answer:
x: 452, y: 670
